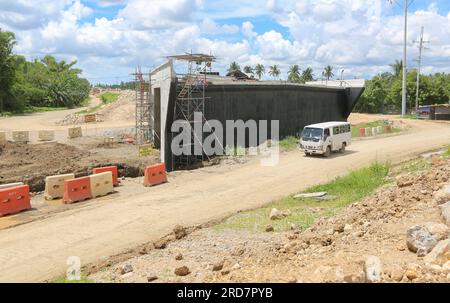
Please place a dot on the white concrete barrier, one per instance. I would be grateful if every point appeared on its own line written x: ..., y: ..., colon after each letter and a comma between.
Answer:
x: 46, y: 135
x: 54, y: 186
x: 21, y: 136
x: 2, y: 137
x: 101, y: 184
x: 75, y: 132
x: 374, y: 131
x: 11, y: 185
x: 380, y: 130
x: 369, y: 132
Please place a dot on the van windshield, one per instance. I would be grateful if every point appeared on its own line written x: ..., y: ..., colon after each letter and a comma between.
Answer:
x: 312, y: 134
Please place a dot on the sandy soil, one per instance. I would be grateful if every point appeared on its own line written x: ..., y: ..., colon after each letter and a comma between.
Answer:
x: 331, y: 250
x: 31, y: 163
x: 117, y: 118
x: 38, y: 251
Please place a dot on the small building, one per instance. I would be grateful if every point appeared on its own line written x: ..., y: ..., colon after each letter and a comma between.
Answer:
x: 440, y: 112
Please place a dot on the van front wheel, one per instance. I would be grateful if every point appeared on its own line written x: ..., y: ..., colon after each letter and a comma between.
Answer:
x: 328, y: 152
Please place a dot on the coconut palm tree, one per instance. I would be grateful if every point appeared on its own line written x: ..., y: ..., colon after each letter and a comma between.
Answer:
x: 274, y: 71
x: 397, y: 67
x: 294, y: 74
x: 259, y: 70
x: 234, y: 66
x: 249, y: 70
x: 307, y: 75
x: 328, y: 72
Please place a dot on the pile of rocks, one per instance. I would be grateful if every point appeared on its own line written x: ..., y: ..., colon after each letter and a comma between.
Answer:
x: 363, y: 221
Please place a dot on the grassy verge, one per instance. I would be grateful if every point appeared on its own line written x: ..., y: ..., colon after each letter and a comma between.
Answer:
x: 107, y: 98
x: 447, y: 153
x: 83, y: 279
x: 304, y: 212
x: 289, y: 143
x: 355, y: 128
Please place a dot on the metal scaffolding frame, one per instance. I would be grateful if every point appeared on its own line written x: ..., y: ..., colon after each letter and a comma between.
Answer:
x: 144, y: 108
x: 191, y: 98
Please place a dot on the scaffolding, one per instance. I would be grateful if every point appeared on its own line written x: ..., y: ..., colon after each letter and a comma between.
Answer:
x: 144, y: 108
x: 190, y: 99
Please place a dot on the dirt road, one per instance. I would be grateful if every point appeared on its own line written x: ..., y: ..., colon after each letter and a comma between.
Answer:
x: 38, y: 251
x: 48, y: 121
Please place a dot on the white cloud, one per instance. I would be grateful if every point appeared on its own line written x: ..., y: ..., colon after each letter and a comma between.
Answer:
x: 247, y: 30
x: 209, y: 26
x: 355, y: 35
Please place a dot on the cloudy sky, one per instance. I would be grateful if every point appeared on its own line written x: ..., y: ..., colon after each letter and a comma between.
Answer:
x: 110, y: 37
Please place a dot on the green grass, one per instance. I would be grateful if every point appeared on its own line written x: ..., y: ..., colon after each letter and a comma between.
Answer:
x: 289, y: 143
x: 416, y: 165
x: 90, y: 110
x: 109, y: 97
x: 355, y: 128
x: 39, y: 109
x: 304, y: 212
x: 447, y: 152
x: 83, y: 279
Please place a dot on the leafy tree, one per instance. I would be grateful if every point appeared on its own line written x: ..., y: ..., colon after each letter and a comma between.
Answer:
x: 248, y: 70
x: 274, y: 71
x: 328, y: 72
x: 7, y: 67
x: 294, y: 74
x: 397, y: 68
x: 234, y: 66
x: 260, y: 70
x: 307, y: 75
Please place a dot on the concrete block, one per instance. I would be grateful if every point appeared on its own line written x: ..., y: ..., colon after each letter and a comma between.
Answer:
x: 101, y: 184
x: 46, y: 135
x: 374, y: 131
x: 379, y: 129
x: 3, y: 186
x: 368, y: 132
x: 2, y: 137
x: 75, y: 132
x: 54, y: 186
x: 21, y: 136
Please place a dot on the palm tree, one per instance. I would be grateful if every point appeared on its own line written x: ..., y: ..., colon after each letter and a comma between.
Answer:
x: 234, y: 66
x: 259, y: 70
x: 397, y: 67
x: 249, y: 70
x: 328, y: 72
x: 307, y: 75
x: 294, y: 74
x: 274, y: 71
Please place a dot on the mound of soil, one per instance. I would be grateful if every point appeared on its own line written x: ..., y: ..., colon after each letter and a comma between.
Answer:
x: 32, y: 163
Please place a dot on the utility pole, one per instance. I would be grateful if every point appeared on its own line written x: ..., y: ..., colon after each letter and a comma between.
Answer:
x: 405, y: 44
x: 405, y: 70
x: 421, y: 46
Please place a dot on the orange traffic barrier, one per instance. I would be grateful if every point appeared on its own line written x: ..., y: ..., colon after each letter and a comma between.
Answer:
x: 112, y: 169
x: 155, y: 175
x: 14, y: 200
x: 362, y: 132
x: 77, y: 190
x: 387, y: 129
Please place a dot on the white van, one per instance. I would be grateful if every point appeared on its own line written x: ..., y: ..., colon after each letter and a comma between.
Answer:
x: 325, y: 138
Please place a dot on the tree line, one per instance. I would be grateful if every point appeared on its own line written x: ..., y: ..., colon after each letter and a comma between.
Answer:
x: 295, y: 74
x: 41, y: 83
x: 383, y: 92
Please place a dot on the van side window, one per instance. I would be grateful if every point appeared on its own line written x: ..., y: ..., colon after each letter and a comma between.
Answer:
x: 326, y: 132
x: 336, y: 130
